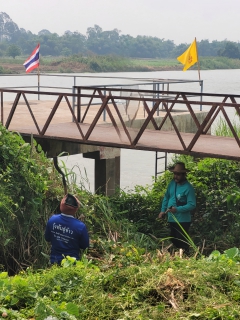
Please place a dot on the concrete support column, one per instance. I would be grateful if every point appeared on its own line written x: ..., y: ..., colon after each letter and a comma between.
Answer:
x: 107, y: 170
x: 107, y: 161
x: 107, y: 176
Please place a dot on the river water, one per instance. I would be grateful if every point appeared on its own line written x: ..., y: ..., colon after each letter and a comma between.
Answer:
x: 137, y: 167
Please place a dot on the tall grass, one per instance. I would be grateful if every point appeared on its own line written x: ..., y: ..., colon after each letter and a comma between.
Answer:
x: 113, y: 63
x: 223, y: 129
x: 214, y: 63
x: 155, y: 62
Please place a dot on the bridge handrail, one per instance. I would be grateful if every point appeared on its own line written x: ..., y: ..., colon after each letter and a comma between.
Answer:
x: 115, y: 118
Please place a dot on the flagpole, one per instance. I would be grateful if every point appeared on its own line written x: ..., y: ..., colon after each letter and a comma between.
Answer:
x: 39, y: 77
x: 38, y: 83
x: 200, y: 82
x: 198, y: 63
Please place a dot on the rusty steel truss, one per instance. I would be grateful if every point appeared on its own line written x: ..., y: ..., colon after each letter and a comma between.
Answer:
x: 128, y: 118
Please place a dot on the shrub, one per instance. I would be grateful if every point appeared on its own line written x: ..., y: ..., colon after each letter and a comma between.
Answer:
x: 215, y: 223
x: 27, y: 197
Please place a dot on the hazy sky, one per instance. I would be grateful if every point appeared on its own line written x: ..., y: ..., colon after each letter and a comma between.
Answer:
x: 177, y: 20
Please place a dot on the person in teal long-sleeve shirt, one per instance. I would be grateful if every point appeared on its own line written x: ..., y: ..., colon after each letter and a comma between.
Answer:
x: 178, y: 202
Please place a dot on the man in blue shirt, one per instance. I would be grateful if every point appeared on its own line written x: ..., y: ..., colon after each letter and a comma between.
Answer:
x: 178, y: 202
x: 67, y: 234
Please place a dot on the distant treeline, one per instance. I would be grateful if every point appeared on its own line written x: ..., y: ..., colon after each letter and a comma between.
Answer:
x: 15, y: 41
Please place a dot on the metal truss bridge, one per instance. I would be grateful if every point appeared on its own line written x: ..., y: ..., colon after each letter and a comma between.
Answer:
x: 127, y: 118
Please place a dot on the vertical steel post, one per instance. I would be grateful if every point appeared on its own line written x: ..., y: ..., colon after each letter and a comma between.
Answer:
x: 167, y: 90
x: 78, y: 104
x: 156, y: 159
x: 154, y: 92
x: 73, y: 91
x: 156, y: 163
x: 165, y: 161
x: 2, y: 107
x: 201, y: 90
x: 104, y: 111
x: 162, y: 90
x: 38, y: 84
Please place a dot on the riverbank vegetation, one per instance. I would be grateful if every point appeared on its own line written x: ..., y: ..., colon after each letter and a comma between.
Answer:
x: 130, y: 270
x: 95, y: 63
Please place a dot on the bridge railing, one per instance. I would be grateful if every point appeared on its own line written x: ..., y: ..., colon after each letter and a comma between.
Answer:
x: 65, y: 82
x: 161, y: 110
x: 68, y: 83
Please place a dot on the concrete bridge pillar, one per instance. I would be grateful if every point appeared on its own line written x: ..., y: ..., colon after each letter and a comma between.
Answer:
x: 107, y: 161
x: 107, y: 170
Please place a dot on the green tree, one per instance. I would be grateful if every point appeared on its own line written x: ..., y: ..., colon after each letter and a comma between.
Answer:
x: 13, y: 51
x: 66, y: 52
x: 178, y: 50
x: 230, y: 51
x: 204, y: 48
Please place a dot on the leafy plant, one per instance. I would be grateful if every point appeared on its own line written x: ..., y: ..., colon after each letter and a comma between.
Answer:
x: 27, y: 198
x: 150, y: 286
x: 215, y: 221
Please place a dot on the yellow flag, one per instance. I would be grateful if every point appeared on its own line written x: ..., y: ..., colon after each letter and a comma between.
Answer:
x: 190, y: 56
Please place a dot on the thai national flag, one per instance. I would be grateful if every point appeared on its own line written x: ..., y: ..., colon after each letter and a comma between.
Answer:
x: 33, y: 61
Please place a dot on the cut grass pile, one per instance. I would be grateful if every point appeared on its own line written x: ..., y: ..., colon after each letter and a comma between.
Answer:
x: 128, y: 285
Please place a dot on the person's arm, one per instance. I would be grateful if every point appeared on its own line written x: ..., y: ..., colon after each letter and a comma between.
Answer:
x: 161, y: 214
x: 47, y: 234
x: 84, y: 241
x: 165, y: 200
x: 165, y: 203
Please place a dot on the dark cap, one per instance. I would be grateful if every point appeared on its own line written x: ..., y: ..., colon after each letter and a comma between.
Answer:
x: 69, y: 204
